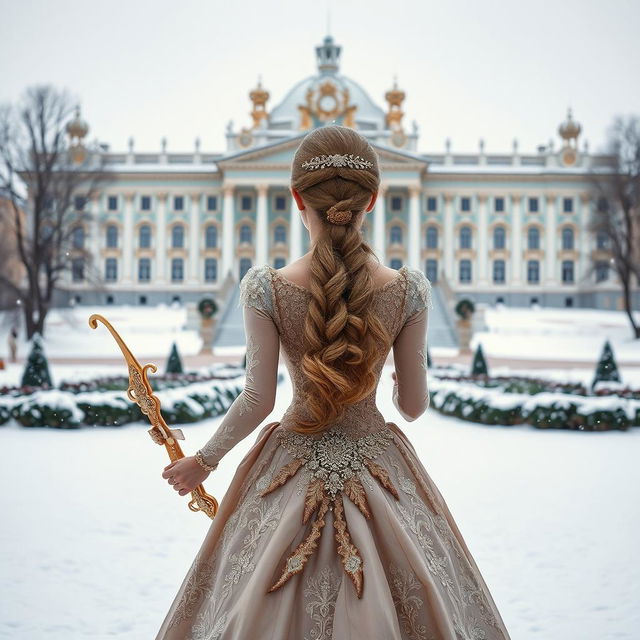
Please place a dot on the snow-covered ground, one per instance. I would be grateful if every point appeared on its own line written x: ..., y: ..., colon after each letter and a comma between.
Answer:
x: 536, y: 333
x: 94, y: 543
x: 547, y: 333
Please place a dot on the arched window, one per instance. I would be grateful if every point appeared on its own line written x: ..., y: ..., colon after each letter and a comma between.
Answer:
x: 432, y: 237
x: 77, y: 238
x: 144, y: 236
x: 112, y: 236
x: 211, y: 236
x: 499, y: 237
x: 396, y: 234
x: 177, y: 237
x: 567, y: 238
x: 465, y: 237
x: 245, y: 233
x: 280, y: 234
x: 533, y: 238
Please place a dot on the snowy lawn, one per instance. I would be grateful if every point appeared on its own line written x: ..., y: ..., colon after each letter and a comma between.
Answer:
x: 94, y: 543
x: 518, y: 332
x: 547, y: 333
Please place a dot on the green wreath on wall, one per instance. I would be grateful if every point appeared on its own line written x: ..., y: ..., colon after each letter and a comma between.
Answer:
x: 207, y: 307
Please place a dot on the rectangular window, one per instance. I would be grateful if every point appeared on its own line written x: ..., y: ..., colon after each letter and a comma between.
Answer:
x: 144, y: 270
x: 602, y: 271
x: 210, y: 270
x: 498, y: 271
x: 246, y: 203
x: 396, y: 203
x: 465, y: 204
x: 533, y: 205
x: 567, y: 205
x: 499, y: 205
x: 79, y: 203
x: 281, y: 203
x: 432, y: 270
x: 465, y: 270
x: 112, y: 203
x: 111, y: 270
x: 432, y: 203
x: 212, y: 203
x: 177, y: 269
x: 77, y: 269
x: 602, y: 240
x: 145, y: 203
x: 533, y: 271
x: 567, y: 271
x: 178, y: 203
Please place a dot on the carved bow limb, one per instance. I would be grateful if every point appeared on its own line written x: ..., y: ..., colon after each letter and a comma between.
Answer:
x: 141, y: 393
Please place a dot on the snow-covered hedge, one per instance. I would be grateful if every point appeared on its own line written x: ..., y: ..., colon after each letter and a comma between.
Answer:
x: 64, y: 409
x: 492, y: 405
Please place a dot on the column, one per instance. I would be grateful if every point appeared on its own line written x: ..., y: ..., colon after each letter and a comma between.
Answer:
x: 95, y: 240
x: 483, y: 241
x: 415, y: 237
x: 379, y: 225
x: 516, y: 240
x: 262, y: 227
x: 194, y: 236
x: 295, y: 228
x: 161, y: 240
x: 550, y: 239
x: 127, y: 239
x: 449, y: 247
x: 582, y: 240
x: 228, y: 248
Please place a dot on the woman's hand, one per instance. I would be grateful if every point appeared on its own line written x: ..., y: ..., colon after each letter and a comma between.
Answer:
x: 185, y: 474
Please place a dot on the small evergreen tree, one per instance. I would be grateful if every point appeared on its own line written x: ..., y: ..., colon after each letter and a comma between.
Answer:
x: 479, y: 366
x: 174, y: 364
x: 606, y: 369
x: 36, y: 370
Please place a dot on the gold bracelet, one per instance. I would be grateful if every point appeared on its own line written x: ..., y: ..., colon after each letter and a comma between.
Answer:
x: 203, y: 464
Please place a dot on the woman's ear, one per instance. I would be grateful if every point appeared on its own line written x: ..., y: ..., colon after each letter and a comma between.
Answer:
x: 298, y: 199
x: 372, y: 202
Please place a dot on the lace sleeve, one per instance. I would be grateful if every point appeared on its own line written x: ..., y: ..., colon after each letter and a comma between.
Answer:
x: 257, y: 399
x: 411, y: 391
x: 418, y: 293
x: 255, y: 289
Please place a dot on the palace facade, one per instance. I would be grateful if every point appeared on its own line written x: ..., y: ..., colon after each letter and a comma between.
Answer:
x: 509, y: 227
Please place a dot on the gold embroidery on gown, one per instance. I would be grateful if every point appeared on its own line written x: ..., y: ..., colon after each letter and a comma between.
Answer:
x: 335, y: 462
x: 397, y: 535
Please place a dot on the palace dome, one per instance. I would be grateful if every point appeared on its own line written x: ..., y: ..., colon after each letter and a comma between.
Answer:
x: 325, y: 96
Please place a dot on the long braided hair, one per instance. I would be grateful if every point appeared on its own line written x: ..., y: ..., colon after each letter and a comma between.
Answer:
x: 342, y: 334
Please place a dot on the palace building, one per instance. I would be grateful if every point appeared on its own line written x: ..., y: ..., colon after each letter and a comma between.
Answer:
x: 509, y: 227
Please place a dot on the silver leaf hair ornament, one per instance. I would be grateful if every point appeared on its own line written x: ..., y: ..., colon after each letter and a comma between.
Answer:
x: 336, y: 160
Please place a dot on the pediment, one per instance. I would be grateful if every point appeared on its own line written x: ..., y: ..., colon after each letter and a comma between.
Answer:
x: 279, y: 155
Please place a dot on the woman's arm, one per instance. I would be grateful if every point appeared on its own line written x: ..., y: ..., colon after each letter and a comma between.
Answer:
x: 257, y: 399
x: 410, y: 391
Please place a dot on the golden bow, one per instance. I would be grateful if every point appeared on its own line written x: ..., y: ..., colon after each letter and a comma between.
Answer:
x: 141, y: 393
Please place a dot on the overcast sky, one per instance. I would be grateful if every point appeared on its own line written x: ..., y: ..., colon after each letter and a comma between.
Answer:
x: 494, y: 69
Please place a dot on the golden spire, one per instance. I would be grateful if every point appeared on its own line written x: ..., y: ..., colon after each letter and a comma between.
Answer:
x: 259, y: 97
x: 395, y: 98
